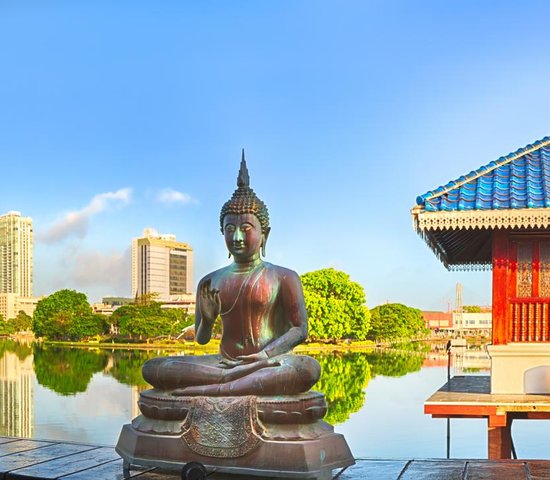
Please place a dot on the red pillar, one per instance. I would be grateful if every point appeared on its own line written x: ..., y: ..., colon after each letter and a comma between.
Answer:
x: 499, y: 438
x: 501, y: 319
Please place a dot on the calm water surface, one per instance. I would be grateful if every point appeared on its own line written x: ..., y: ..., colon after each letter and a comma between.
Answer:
x: 375, y: 399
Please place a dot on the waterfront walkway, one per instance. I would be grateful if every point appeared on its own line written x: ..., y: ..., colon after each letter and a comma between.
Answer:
x: 22, y: 459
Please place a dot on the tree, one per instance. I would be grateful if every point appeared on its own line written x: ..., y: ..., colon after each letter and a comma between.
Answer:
x: 394, y: 321
x: 65, y: 315
x: 22, y: 322
x: 335, y: 305
x: 149, y: 319
x: 471, y: 309
x: 6, y: 328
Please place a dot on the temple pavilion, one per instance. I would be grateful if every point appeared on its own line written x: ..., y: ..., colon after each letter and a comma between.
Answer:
x: 498, y: 217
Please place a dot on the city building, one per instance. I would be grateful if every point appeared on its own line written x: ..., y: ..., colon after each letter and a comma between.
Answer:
x: 162, y: 266
x: 11, y: 304
x: 460, y: 322
x: 438, y: 320
x: 16, y: 254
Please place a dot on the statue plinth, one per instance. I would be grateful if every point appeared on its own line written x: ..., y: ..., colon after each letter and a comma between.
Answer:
x: 277, y: 436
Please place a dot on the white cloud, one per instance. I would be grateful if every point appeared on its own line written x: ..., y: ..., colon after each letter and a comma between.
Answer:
x: 171, y: 196
x: 76, y: 223
x: 109, y: 271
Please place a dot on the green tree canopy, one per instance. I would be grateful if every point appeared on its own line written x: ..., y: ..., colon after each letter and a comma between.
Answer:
x: 66, y: 315
x: 335, y: 305
x: 471, y: 309
x: 149, y: 319
x: 22, y: 322
x: 394, y: 321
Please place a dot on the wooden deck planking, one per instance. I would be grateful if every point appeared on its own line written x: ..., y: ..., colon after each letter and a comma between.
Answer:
x: 31, y: 459
x: 66, y: 465
x: 475, y: 391
x: 35, y: 456
x: 10, y: 448
x: 112, y: 471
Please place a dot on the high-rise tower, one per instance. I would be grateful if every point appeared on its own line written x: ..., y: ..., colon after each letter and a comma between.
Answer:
x: 16, y: 243
x: 161, y: 265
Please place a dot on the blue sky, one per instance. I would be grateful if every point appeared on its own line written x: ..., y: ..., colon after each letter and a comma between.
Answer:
x: 347, y: 111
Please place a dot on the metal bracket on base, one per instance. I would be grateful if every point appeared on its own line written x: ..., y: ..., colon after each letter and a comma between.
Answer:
x: 126, y: 468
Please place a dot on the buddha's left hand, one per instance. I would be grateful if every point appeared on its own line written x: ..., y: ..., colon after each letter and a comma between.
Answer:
x: 254, y: 357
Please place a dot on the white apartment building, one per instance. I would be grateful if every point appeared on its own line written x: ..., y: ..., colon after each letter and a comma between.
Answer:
x: 162, y: 265
x: 16, y: 244
x: 11, y: 304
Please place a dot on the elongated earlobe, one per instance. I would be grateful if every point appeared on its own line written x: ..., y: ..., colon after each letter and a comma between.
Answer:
x: 264, y: 240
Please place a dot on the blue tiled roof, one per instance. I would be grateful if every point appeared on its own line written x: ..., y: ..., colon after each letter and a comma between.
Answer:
x: 519, y: 180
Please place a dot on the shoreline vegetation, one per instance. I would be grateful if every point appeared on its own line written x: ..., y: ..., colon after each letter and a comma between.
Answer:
x: 192, y: 347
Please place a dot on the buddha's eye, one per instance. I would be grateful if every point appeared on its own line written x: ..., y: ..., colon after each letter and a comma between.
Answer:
x: 230, y: 228
x: 245, y: 227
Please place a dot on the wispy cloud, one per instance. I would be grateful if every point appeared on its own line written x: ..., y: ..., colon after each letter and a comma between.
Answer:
x: 75, y: 223
x: 94, y: 268
x: 170, y: 196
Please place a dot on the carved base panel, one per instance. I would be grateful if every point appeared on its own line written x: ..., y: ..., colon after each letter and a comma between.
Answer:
x: 302, y: 459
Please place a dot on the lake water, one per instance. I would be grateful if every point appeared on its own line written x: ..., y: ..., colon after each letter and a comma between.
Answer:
x: 375, y: 399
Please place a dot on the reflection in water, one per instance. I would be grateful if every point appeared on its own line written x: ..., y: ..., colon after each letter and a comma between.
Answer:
x: 67, y: 370
x: 126, y: 366
x: 394, y: 364
x: 16, y: 390
x: 343, y: 378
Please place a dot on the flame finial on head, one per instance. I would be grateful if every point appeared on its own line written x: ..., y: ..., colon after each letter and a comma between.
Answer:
x: 244, y: 200
x: 243, y: 180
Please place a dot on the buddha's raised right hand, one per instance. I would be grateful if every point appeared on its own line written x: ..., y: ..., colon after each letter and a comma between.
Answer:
x: 210, y: 303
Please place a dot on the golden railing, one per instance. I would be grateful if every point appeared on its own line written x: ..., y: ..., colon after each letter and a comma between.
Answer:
x: 530, y: 319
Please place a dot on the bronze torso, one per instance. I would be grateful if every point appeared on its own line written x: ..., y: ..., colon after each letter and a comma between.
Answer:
x: 252, y: 308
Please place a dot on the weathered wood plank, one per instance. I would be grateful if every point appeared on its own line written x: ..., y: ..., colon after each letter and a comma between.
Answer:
x: 538, y: 469
x: 434, y: 470
x: 65, y: 466
x: 8, y: 439
x: 40, y: 455
x: 20, y: 446
x: 109, y: 471
x: 497, y: 471
x: 376, y: 469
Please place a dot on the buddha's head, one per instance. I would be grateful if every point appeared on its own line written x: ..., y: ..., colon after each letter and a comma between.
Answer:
x: 244, y: 219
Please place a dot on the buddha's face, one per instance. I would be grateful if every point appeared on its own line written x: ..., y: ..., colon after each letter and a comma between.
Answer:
x: 243, y: 235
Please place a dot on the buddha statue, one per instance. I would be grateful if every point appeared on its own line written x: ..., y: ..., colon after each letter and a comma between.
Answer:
x: 263, y: 316
x: 247, y: 410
